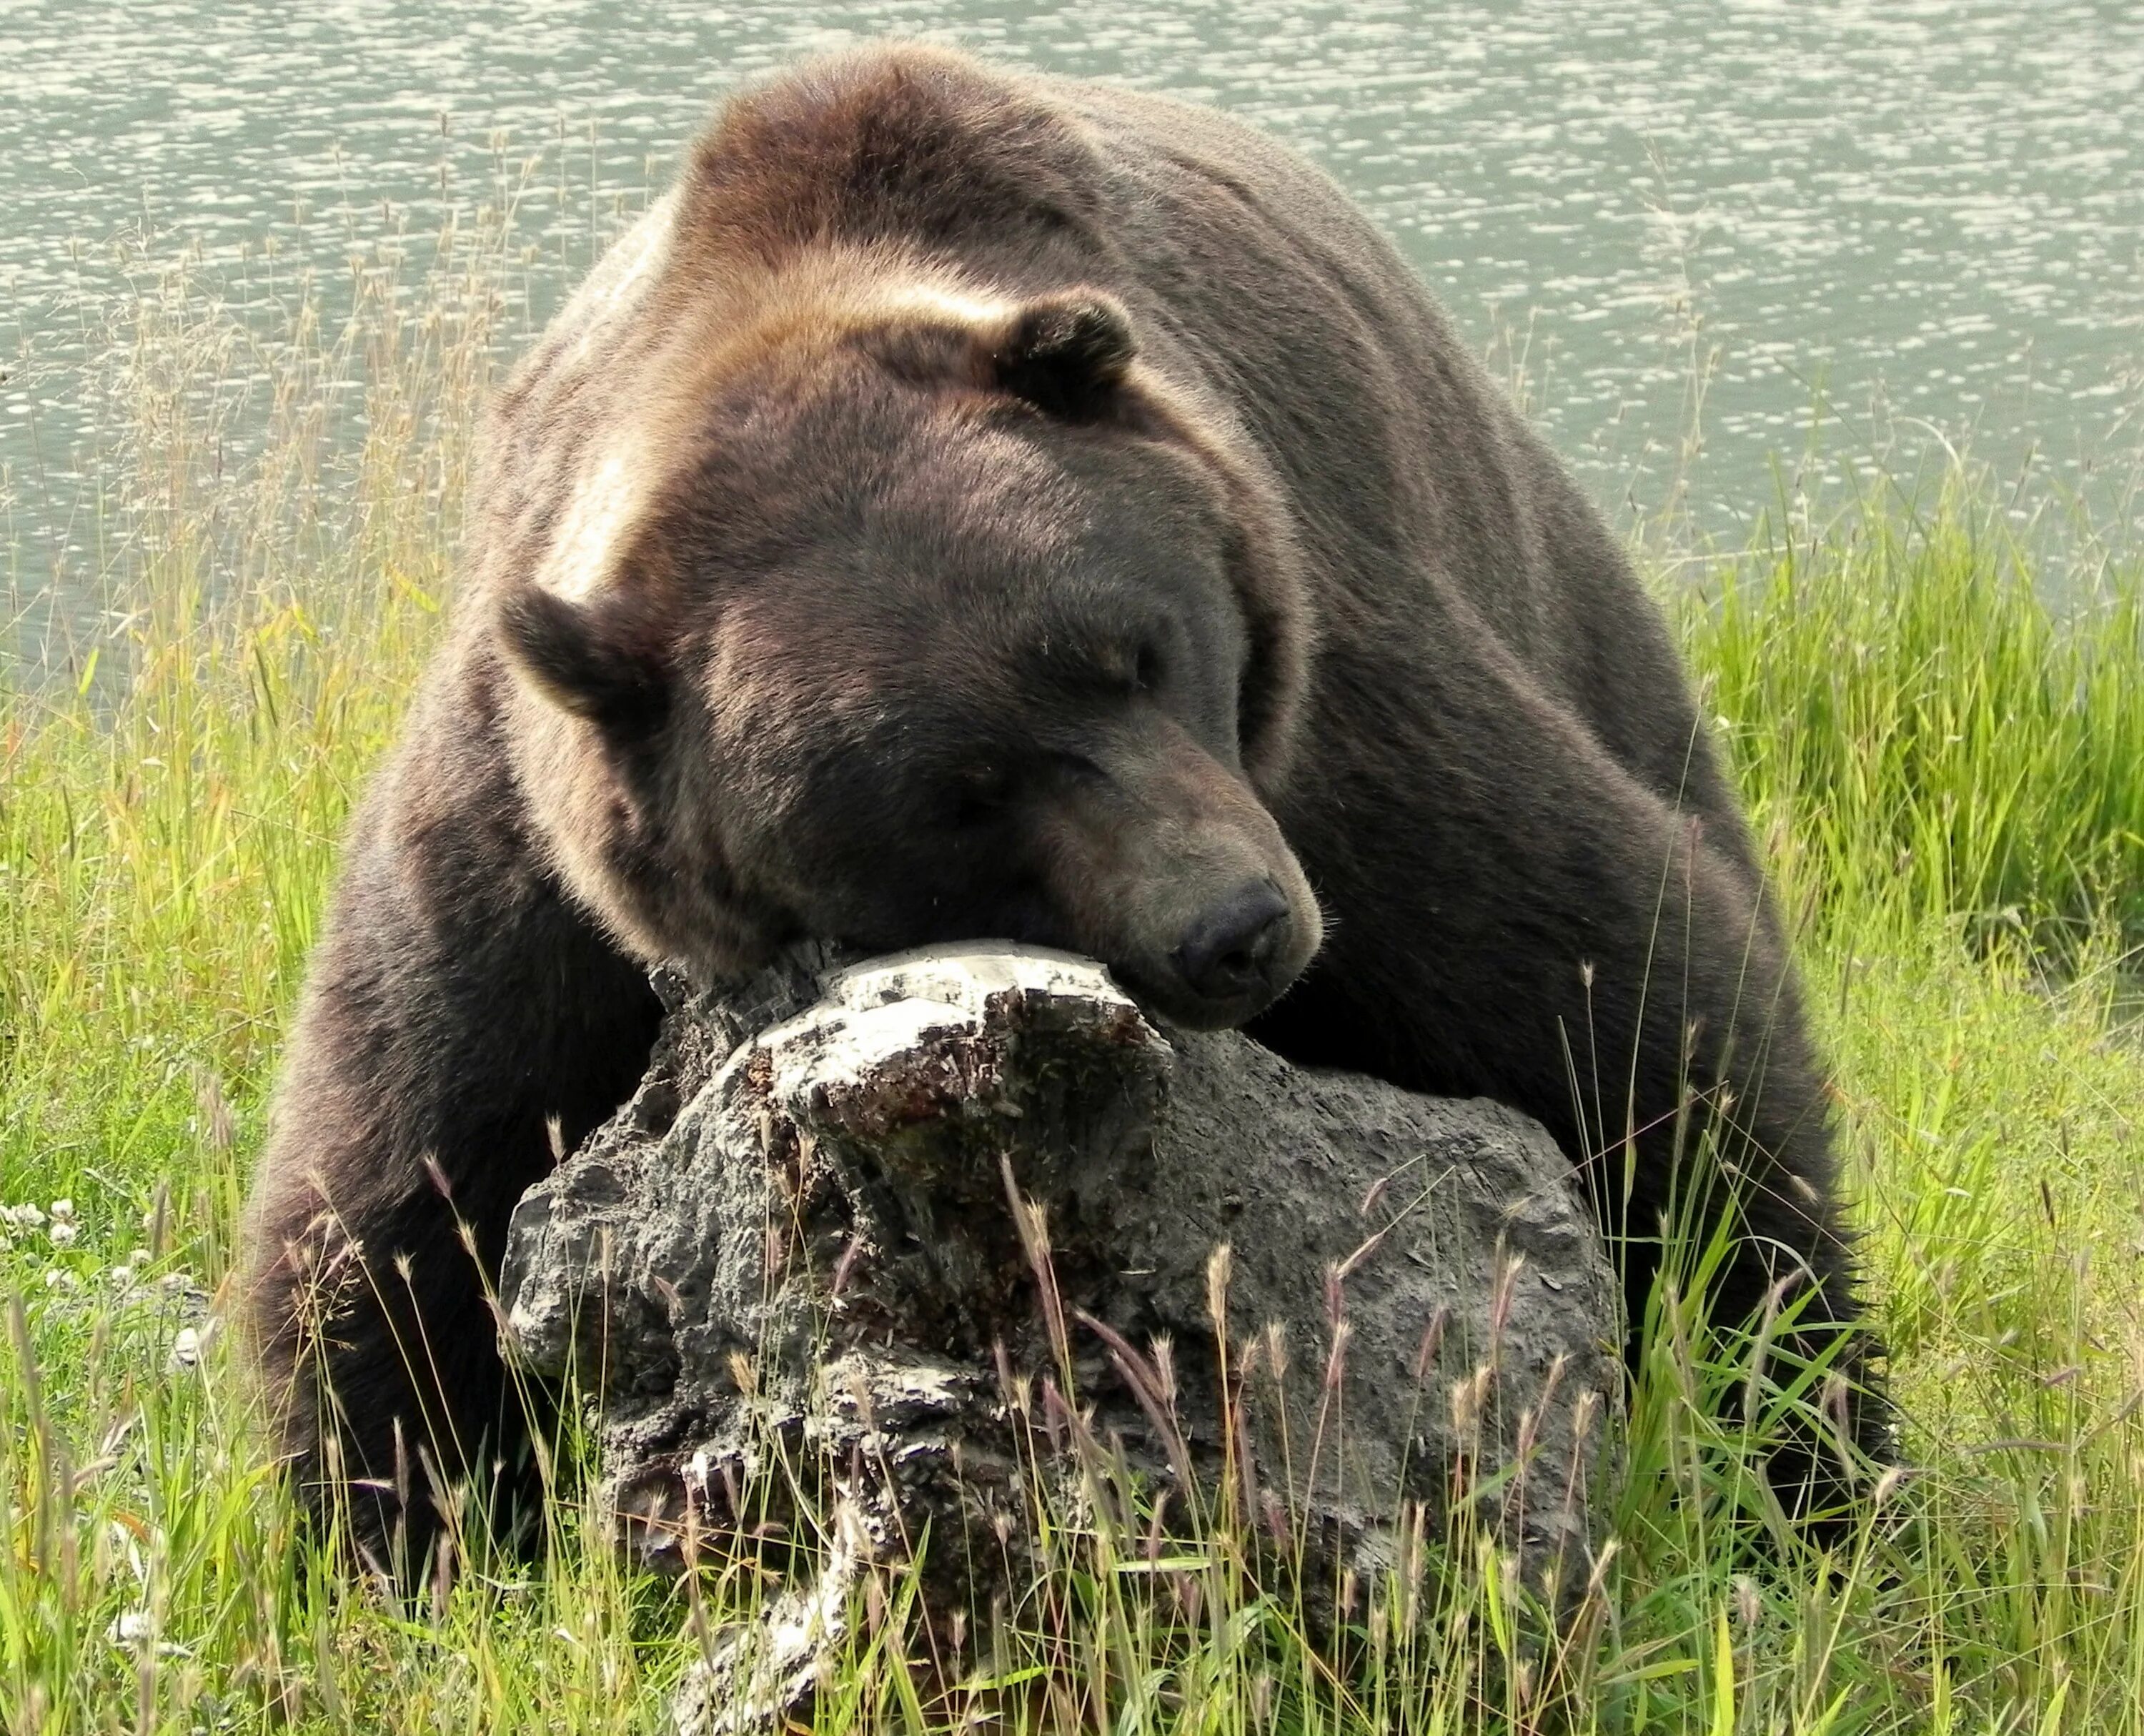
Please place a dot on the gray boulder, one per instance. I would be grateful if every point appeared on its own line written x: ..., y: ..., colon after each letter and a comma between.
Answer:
x: 876, y: 1247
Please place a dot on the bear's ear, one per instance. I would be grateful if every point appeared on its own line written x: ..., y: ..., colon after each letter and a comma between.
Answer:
x: 598, y: 660
x: 1065, y: 354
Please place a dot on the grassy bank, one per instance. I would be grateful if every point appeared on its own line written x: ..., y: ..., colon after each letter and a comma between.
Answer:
x: 1945, y: 768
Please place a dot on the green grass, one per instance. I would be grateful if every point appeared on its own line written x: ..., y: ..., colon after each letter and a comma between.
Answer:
x: 1948, y: 771
x: 1917, y: 727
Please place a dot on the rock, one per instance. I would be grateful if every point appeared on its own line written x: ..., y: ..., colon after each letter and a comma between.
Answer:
x: 872, y: 1243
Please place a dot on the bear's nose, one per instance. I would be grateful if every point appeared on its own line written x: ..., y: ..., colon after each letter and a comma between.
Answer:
x: 1229, y: 951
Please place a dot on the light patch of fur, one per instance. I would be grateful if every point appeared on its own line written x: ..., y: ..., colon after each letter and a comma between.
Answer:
x: 605, y: 504
x: 943, y: 302
x: 626, y: 271
x: 816, y: 303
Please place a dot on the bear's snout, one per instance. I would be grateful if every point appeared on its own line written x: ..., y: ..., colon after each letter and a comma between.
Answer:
x: 1169, y: 869
x: 1233, y: 950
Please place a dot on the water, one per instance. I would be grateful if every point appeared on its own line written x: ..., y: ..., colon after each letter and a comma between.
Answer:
x: 1867, y: 229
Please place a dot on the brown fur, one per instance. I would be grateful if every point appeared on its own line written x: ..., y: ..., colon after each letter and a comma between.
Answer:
x: 974, y: 505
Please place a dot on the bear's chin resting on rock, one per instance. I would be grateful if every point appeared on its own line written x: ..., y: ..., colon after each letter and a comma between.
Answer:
x: 973, y: 503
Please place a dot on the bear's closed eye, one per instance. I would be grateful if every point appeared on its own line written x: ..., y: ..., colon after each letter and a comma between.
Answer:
x: 980, y: 794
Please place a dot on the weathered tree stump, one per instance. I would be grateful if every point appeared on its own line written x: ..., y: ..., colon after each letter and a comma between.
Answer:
x: 795, y: 1262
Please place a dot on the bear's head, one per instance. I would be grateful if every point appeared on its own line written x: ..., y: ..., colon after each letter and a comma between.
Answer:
x: 907, y: 617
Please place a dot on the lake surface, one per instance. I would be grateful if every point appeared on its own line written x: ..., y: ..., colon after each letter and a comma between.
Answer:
x: 1885, y: 225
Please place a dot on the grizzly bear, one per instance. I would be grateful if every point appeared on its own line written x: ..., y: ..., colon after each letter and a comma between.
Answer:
x: 976, y: 505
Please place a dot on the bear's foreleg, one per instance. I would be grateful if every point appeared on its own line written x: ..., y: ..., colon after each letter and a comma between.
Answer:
x: 458, y: 1007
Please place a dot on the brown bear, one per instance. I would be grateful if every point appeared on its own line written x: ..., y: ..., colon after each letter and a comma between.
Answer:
x: 978, y: 505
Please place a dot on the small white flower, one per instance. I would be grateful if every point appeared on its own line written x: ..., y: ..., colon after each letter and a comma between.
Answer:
x: 132, y: 1628
x: 63, y: 1232
x: 62, y: 1211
